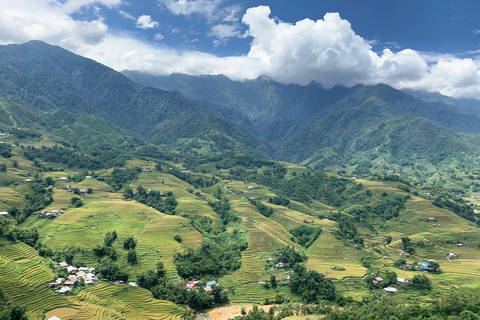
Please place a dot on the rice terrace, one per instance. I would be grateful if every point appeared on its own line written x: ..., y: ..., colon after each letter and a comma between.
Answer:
x: 217, y: 159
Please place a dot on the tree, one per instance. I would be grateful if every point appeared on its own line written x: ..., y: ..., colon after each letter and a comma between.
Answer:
x: 49, y: 181
x: 198, y: 299
x: 388, y: 239
x: 406, y: 241
x: 110, y: 238
x: 421, y: 282
x: 132, y: 256
x: 129, y: 243
x: 273, y: 281
x: 15, y: 163
x: 76, y: 202
x: 108, y: 269
x: 435, y: 266
x: 160, y: 270
x: 219, y: 294
x: 14, y: 211
x: 148, y: 280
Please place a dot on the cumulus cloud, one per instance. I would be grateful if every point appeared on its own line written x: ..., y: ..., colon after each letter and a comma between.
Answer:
x: 159, y: 37
x: 126, y: 53
x: 24, y: 20
x: 326, y: 50
x: 146, y: 22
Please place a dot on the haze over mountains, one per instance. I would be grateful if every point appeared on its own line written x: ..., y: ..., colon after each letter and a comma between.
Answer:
x: 203, y: 114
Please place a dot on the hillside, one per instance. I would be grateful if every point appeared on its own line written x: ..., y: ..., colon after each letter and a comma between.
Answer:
x: 46, y: 77
x: 362, y: 129
x: 273, y: 110
x: 269, y: 203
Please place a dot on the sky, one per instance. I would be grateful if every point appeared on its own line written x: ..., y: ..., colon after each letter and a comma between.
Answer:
x: 431, y: 45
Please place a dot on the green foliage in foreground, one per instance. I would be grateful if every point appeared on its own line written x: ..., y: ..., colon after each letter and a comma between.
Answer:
x: 11, y: 311
x: 459, y: 304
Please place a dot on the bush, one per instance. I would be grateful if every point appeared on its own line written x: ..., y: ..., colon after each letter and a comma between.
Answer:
x: 421, y: 282
x: 76, y: 202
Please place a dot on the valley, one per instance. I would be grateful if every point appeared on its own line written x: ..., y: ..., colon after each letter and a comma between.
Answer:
x: 305, y: 201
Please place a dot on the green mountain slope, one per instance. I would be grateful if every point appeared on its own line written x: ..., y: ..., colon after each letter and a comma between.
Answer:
x: 274, y: 110
x: 48, y: 77
x: 377, y: 122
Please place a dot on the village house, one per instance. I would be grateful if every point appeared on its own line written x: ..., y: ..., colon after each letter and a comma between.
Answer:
x: 389, y: 290
x: 54, y: 318
x: 71, y: 280
x: 83, y: 192
x: 279, y: 265
x: 64, y: 290
x: 191, y: 284
x: 211, y: 283
x: 208, y: 289
x: 88, y: 177
x: 402, y: 281
x: 63, y: 265
x: 56, y: 283
x: 261, y: 284
x: 3, y: 213
x: 309, y: 221
x: 377, y: 280
x: 64, y: 179
x: 250, y: 188
x: 71, y: 269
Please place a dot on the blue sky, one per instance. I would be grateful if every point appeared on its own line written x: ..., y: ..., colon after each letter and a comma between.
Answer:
x: 428, y: 25
x: 424, y: 44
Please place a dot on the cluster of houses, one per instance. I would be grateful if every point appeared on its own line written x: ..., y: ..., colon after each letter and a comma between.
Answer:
x: 54, y: 213
x: 70, y: 189
x: 388, y: 290
x: 208, y: 286
x: 76, y: 275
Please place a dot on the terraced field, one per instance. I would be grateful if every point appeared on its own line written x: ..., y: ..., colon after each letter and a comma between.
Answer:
x: 111, y: 301
x: 23, y: 278
x: 264, y: 237
x: 326, y: 252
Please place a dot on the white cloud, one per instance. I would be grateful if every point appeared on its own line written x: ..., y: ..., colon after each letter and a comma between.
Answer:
x: 222, y: 31
x: 211, y: 10
x: 146, y: 22
x: 126, y: 15
x: 126, y: 53
x: 206, y: 8
x: 326, y: 50
x: 476, y: 31
x: 159, y: 37
x: 24, y: 20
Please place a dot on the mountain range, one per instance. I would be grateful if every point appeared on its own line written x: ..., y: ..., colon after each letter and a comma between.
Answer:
x: 358, y: 128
